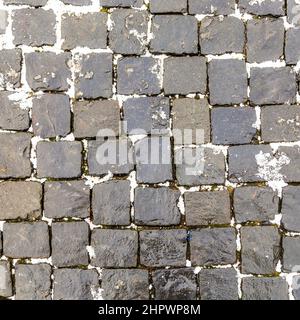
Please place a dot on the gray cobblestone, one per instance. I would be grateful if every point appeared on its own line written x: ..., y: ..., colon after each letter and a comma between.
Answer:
x: 184, y: 75
x: 51, y: 115
x: 59, y: 159
x: 218, y: 284
x: 125, y: 284
x: 291, y: 255
x: 156, y: 206
x: 211, y: 7
x: 15, y: 155
x: 163, y: 248
x: 174, y: 34
x: 10, y: 68
x: 33, y: 282
x: 26, y: 240
x: 158, y: 6
x: 280, y: 123
x: 129, y: 31
x: 12, y: 116
x: 265, y: 39
x: 6, y: 282
x: 219, y: 35
x: 227, y: 81
x: 174, y: 284
x: 75, y: 284
x: 79, y: 31
x: 111, y: 203
x: 272, y: 85
x: 231, y: 125
x: 94, y: 78
x: 48, y: 71
x: 207, y: 208
x: 68, y: 243
x: 66, y: 199
x: 290, y: 205
x: 33, y: 27
x: 267, y: 7
x: 29, y: 204
x: 260, y: 249
x: 115, y: 248
x: 213, y: 246
x: 259, y: 204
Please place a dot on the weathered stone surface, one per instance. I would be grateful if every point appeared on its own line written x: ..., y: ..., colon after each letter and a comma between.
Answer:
x: 94, y: 76
x: 10, y: 68
x: 75, y: 284
x: 80, y: 30
x: 153, y: 160
x: 6, y: 282
x: 272, y: 85
x: 163, y: 248
x: 215, y: 246
x: 290, y: 168
x: 92, y: 116
x: 138, y: 75
x: 158, y: 6
x: 227, y: 81
x: 51, y: 115
x: 260, y: 249
x: 48, y: 71
x: 66, y: 199
x: 147, y: 115
x: 218, y: 284
x: 100, y: 164
x: 291, y: 254
x: 15, y: 155
x: 26, y: 240
x: 259, y: 204
x: 4, y: 21
x: 246, y: 165
x: 33, y: 27
x: 292, y: 46
x: 77, y: 2
x: 199, y: 166
x: 265, y: 40
x: 184, y: 75
x: 264, y: 289
x: 33, y: 282
x: 280, y: 123
x: 129, y: 31
x: 114, y: 248
x: 290, y: 208
x: 216, y: 7
x: 28, y: 195
x: 111, y: 203
x: 296, y: 287
x: 121, y: 3
x: 266, y: 7
x: 68, y: 243
x: 220, y: 35
x: 191, y: 114
x: 293, y: 12
x: 207, y: 208
x: 13, y: 117
x: 156, y: 206
x: 174, y: 34
x: 125, y: 284
x: 174, y: 284
x: 232, y: 125
x: 35, y: 3
x: 59, y: 159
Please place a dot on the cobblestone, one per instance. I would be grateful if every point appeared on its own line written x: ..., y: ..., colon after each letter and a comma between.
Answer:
x: 149, y: 150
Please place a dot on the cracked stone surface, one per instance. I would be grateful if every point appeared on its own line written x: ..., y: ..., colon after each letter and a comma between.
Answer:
x: 149, y: 150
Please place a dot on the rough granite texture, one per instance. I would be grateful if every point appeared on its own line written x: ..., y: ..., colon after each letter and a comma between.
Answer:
x: 149, y: 150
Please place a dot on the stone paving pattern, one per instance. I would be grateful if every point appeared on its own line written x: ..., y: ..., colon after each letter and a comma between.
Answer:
x: 72, y: 228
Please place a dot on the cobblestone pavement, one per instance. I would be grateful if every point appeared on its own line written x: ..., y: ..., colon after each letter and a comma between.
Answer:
x: 75, y: 228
